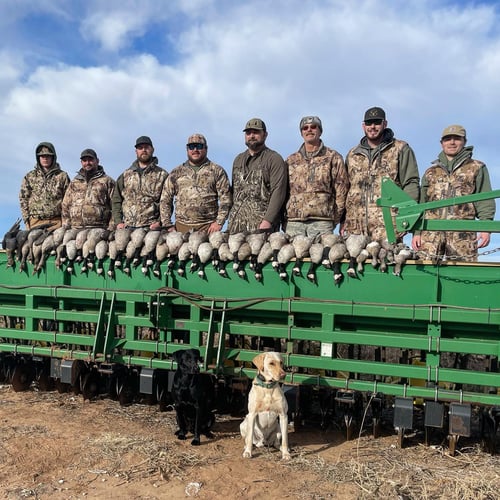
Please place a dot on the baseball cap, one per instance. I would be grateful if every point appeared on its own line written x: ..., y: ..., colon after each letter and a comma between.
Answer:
x: 44, y: 151
x: 311, y: 120
x: 88, y: 152
x: 454, y: 130
x: 196, y: 139
x: 256, y: 124
x: 143, y: 139
x: 374, y: 114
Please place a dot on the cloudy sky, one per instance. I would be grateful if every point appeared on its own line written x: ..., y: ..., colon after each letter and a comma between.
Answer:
x: 99, y: 73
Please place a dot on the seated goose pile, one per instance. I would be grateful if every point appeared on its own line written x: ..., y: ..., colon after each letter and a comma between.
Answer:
x: 247, y: 252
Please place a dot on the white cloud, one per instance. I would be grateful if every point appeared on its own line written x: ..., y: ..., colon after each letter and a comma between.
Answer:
x: 428, y: 63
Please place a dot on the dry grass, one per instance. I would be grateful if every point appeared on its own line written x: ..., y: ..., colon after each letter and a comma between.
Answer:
x: 422, y: 473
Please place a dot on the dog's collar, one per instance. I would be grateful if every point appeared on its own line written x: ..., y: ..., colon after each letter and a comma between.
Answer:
x: 261, y: 382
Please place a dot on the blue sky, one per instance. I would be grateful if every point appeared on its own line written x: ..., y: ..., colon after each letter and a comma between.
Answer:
x: 99, y: 73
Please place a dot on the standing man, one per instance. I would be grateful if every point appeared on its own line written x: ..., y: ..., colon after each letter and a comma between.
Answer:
x: 379, y: 154
x: 136, y: 198
x: 259, y: 183
x: 455, y: 173
x: 318, y: 184
x: 200, y: 189
x: 42, y: 189
x: 87, y: 202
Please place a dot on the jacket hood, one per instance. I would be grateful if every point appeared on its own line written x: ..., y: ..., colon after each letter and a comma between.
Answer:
x: 462, y: 156
x: 51, y: 147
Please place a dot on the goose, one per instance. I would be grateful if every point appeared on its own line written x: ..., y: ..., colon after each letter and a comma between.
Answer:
x: 337, y: 252
x: 277, y: 240
x: 328, y: 240
x: 205, y: 254
x: 301, y: 243
x: 316, y: 255
x: 265, y: 254
x: 355, y: 244
x: 101, y: 251
x: 234, y: 241
x: 225, y: 255
x: 256, y: 240
x: 285, y: 255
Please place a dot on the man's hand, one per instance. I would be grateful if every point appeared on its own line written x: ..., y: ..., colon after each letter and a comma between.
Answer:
x: 483, y: 240
x: 265, y: 225
x: 416, y: 242
x: 214, y: 227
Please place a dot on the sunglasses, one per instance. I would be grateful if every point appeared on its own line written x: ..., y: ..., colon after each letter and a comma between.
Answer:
x: 194, y: 146
x: 309, y: 127
x: 373, y: 122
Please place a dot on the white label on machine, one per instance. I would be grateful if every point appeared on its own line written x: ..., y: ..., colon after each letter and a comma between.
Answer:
x: 326, y: 349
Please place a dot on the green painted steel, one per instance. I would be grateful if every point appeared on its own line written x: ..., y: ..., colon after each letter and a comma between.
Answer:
x: 399, y: 335
x: 409, y: 216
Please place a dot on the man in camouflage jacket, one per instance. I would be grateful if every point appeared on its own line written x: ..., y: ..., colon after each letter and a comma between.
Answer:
x: 200, y: 189
x: 136, y: 198
x: 455, y: 173
x: 260, y: 182
x: 42, y: 189
x: 379, y: 154
x: 318, y: 184
x: 87, y: 202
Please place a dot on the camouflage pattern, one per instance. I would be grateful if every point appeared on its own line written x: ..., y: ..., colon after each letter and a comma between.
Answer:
x: 136, y: 198
x: 87, y: 202
x: 42, y: 192
x: 259, y: 190
x: 309, y: 228
x: 393, y: 158
x: 202, y: 195
x: 441, y: 184
x: 318, y: 186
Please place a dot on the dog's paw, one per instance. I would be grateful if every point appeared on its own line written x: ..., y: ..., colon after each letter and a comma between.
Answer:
x: 285, y: 455
x: 209, y: 435
x: 247, y: 454
x: 181, y: 435
x: 196, y: 441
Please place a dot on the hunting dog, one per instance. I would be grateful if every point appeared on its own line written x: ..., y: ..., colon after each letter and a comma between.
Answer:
x: 194, y: 395
x: 266, y: 404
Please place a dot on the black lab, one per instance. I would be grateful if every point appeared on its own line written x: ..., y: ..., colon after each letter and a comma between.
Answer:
x: 194, y: 396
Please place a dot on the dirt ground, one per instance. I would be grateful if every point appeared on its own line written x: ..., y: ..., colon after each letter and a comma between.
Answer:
x: 59, y: 446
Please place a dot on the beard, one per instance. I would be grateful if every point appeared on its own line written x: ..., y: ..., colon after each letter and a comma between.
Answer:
x: 254, y: 144
x: 144, y: 157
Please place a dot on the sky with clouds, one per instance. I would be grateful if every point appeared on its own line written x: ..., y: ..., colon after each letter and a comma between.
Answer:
x: 99, y: 73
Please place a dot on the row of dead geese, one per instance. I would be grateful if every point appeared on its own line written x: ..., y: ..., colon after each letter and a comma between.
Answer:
x: 130, y: 248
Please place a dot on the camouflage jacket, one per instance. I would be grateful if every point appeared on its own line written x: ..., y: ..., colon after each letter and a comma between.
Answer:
x: 467, y: 176
x: 366, y: 167
x: 202, y: 195
x: 136, y: 199
x: 41, y: 193
x: 259, y: 190
x: 87, y: 202
x: 318, y: 185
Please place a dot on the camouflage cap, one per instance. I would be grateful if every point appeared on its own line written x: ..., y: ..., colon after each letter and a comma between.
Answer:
x: 457, y: 130
x: 88, y: 152
x: 143, y: 139
x: 256, y: 124
x: 311, y: 120
x: 45, y: 151
x: 374, y: 114
x: 196, y: 139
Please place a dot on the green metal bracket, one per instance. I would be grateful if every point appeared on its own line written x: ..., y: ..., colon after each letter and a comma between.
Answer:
x: 410, y: 214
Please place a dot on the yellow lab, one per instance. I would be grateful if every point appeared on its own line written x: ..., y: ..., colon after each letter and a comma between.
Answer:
x: 266, y: 402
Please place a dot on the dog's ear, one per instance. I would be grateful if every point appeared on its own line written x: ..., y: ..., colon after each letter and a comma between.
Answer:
x: 176, y: 356
x: 258, y: 361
